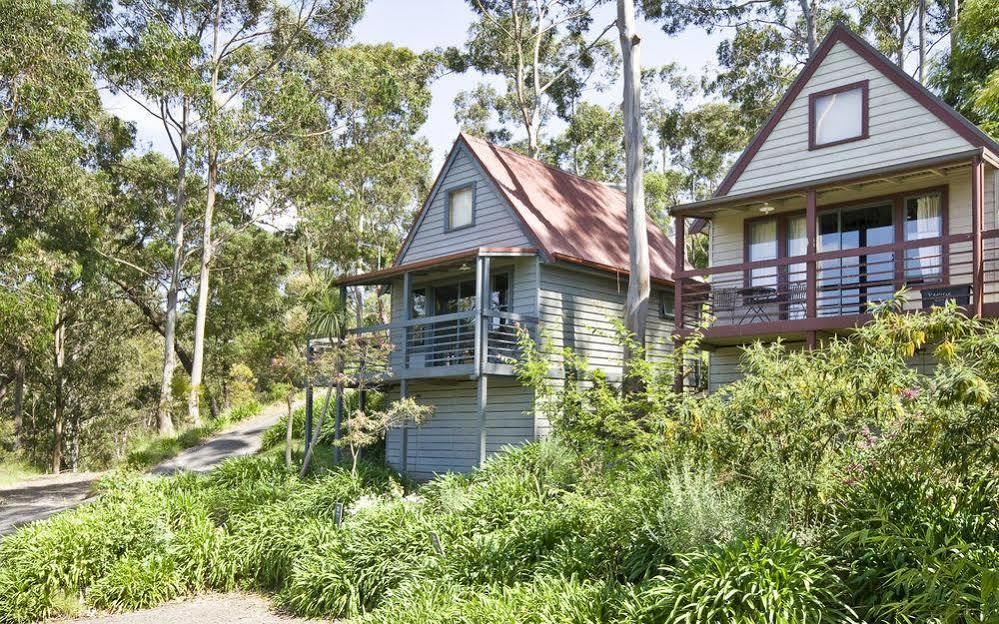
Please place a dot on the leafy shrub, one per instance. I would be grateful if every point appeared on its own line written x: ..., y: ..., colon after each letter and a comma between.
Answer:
x: 351, y: 570
x: 551, y: 600
x: 746, y: 581
x: 133, y: 583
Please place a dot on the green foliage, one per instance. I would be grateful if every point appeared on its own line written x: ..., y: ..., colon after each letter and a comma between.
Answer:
x: 746, y: 581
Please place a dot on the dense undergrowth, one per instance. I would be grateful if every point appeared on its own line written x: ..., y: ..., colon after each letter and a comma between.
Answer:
x: 830, y: 486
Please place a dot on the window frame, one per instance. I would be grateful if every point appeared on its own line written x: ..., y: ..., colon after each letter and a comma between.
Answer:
x: 666, y: 302
x: 865, y: 126
x: 447, y: 207
x: 898, y: 217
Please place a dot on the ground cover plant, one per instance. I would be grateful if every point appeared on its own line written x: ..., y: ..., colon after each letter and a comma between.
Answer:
x: 836, y: 485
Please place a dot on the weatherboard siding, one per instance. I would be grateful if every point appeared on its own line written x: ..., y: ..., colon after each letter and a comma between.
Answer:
x: 901, y: 131
x: 495, y: 224
x: 449, y: 440
x: 579, y: 309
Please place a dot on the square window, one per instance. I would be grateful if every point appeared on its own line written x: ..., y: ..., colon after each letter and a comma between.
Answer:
x: 666, y: 305
x: 460, y: 208
x: 838, y: 115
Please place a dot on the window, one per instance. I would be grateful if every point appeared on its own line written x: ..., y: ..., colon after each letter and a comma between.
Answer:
x: 838, y: 115
x: 923, y: 219
x: 763, y: 246
x: 666, y: 305
x: 459, y: 208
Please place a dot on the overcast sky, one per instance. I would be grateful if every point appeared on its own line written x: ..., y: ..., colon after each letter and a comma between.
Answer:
x: 427, y: 24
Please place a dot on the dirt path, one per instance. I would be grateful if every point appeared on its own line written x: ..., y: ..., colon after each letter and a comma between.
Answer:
x: 39, y: 498
x: 233, y: 608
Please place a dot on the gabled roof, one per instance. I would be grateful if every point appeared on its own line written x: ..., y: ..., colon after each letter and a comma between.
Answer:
x: 841, y: 34
x: 571, y: 218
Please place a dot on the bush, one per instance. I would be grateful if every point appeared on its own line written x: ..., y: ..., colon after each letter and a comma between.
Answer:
x: 746, y: 581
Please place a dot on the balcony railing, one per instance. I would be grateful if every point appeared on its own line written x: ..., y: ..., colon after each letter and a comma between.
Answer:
x: 834, y: 289
x: 449, y: 345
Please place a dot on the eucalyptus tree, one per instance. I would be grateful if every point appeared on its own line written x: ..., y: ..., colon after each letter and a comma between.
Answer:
x: 591, y: 145
x: 203, y: 68
x: 968, y: 76
x: 545, y: 51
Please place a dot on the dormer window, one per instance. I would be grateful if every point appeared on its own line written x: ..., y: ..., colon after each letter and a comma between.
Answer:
x: 838, y: 115
x: 460, y: 207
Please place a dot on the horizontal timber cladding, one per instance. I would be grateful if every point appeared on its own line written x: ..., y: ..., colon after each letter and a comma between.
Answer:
x: 494, y: 223
x: 579, y: 309
x: 449, y: 440
x: 901, y: 130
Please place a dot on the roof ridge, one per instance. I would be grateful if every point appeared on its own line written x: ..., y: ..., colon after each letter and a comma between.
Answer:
x: 541, y: 162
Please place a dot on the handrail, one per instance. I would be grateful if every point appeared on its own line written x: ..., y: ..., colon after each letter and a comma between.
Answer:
x: 952, y: 239
x: 424, y: 320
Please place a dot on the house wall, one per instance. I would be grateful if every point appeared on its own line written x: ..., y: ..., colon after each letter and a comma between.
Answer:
x: 901, y: 130
x: 725, y: 364
x: 449, y: 440
x: 495, y: 224
x: 578, y: 309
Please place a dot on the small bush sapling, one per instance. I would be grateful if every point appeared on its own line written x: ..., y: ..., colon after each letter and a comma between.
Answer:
x: 364, y: 429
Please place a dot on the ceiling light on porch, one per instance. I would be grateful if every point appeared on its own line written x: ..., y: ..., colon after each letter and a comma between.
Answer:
x: 766, y: 208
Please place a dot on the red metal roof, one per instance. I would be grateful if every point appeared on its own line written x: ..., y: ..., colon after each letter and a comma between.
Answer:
x: 572, y: 218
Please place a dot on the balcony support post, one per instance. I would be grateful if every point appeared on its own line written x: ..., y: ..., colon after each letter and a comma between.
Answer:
x: 482, y: 301
x: 811, y: 226
x: 340, y: 367
x: 977, y: 222
x: 407, y: 312
x: 481, y: 401
x: 404, y: 446
x: 679, y: 264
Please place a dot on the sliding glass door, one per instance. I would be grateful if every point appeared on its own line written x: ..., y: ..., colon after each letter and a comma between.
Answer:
x: 847, y: 285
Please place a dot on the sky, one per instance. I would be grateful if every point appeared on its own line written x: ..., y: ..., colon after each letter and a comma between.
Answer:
x: 427, y: 24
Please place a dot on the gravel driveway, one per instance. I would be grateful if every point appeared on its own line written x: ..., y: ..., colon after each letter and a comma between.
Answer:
x: 35, y: 499
x: 233, y: 608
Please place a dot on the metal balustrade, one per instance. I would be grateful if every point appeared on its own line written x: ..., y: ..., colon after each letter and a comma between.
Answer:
x: 447, y: 344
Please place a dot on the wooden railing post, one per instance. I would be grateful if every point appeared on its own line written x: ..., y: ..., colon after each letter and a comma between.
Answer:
x: 679, y: 264
x: 977, y: 221
x: 811, y: 225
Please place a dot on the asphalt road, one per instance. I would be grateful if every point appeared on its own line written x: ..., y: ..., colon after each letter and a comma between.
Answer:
x: 35, y: 499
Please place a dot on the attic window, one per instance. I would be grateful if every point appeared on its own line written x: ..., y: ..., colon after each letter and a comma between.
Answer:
x: 838, y: 115
x: 460, y: 204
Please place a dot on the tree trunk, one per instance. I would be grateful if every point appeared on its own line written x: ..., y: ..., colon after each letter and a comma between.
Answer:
x: 922, y: 42
x: 288, y: 435
x: 164, y: 418
x: 197, y: 367
x: 316, y: 433
x: 808, y: 13
x: 954, y: 9
x: 58, y: 415
x: 18, y: 398
x: 637, y: 303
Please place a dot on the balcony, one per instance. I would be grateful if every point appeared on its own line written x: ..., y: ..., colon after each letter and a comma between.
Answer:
x: 833, y: 290
x: 458, y: 345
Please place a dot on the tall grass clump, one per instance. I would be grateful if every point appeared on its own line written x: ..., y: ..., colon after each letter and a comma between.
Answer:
x: 751, y: 580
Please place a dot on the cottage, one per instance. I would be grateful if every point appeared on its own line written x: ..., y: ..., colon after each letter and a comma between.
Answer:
x: 504, y: 241
x: 860, y: 183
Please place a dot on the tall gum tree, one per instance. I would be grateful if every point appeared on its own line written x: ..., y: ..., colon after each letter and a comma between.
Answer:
x: 545, y: 52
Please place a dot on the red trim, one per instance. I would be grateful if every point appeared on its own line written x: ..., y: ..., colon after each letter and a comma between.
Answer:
x: 865, y: 117
x: 841, y: 33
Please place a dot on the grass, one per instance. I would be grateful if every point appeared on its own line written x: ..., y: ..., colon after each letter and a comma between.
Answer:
x: 14, y: 470
x: 150, y: 450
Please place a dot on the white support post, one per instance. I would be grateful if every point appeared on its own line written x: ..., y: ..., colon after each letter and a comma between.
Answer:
x: 481, y: 402
x: 404, y: 450
x: 407, y: 312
